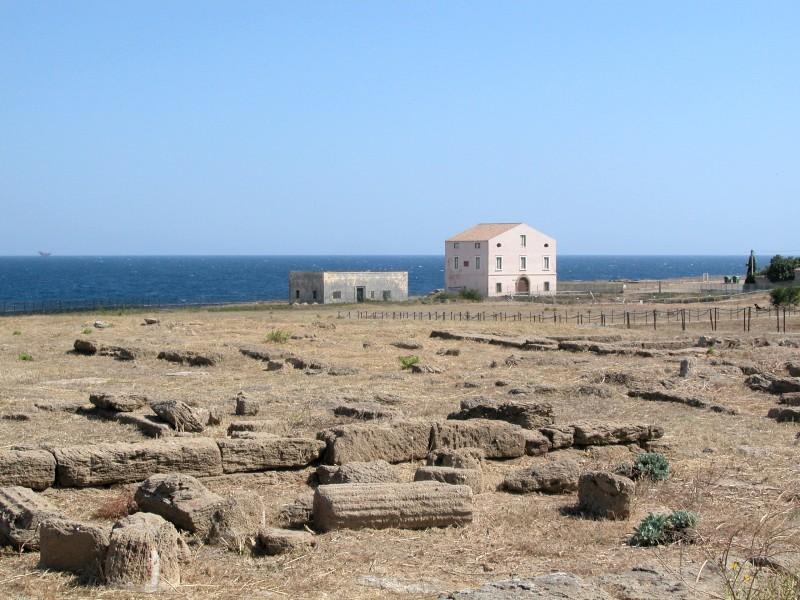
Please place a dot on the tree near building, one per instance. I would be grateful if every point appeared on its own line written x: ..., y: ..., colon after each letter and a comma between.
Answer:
x: 781, y: 268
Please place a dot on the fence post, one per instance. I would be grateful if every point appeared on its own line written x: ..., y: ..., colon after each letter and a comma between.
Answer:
x: 654, y: 317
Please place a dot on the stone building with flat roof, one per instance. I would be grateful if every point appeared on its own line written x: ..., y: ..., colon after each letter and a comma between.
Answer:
x: 331, y: 287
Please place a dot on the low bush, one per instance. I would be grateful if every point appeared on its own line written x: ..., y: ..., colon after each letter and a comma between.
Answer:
x: 407, y: 361
x: 86, y: 331
x: 659, y: 529
x: 786, y: 296
x: 16, y: 333
x: 278, y: 336
x: 648, y: 465
x: 25, y: 356
x: 473, y: 295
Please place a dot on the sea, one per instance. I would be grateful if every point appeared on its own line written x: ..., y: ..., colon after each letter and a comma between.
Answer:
x: 221, y: 279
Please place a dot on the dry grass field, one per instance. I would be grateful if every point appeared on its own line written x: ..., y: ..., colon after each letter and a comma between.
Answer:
x: 732, y: 470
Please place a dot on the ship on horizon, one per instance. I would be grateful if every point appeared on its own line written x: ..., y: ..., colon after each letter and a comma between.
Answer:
x: 45, y: 254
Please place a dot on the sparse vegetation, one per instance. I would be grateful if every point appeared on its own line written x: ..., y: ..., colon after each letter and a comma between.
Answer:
x: 781, y: 268
x: 86, y: 331
x: 16, y: 332
x: 658, y: 529
x: 648, y: 465
x: 473, y: 295
x: 120, y: 504
x: 24, y: 356
x: 278, y: 336
x: 786, y: 296
x: 407, y: 361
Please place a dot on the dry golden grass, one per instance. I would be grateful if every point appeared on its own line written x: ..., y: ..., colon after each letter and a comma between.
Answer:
x: 729, y: 469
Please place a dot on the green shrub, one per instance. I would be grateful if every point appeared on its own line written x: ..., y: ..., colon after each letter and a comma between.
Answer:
x: 278, y: 336
x: 786, y: 296
x: 16, y: 333
x: 407, y: 361
x: 781, y: 268
x: 473, y: 295
x: 443, y: 297
x: 658, y: 529
x: 86, y: 331
x: 650, y: 465
x: 25, y: 356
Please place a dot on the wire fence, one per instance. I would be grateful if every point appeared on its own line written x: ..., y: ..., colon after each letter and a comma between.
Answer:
x: 684, y: 317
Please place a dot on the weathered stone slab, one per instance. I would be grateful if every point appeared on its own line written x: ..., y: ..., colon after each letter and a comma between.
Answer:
x: 257, y: 352
x: 407, y: 345
x: 85, y: 347
x: 272, y: 541
x: 377, y: 471
x: 497, y: 439
x: 117, y: 352
x: 601, y: 434
x: 72, y: 546
x: 560, y: 436
x: 471, y: 477
x: 35, y: 469
x: 365, y: 412
x: 103, y: 464
x: 297, y: 514
x: 529, y: 415
x: 553, y: 586
x: 180, y: 499
x: 144, y: 554
x: 265, y: 426
x: 187, y: 357
x: 658, y: 395
x: 180, y: 415
x: 423, y: 369
x: 605, y: 495
x: 536, y: 443
x: 403, y: 505
x: 460, y: 458
x: 118, y: 402
x: 782, y: 414
x: 246, y: 407
x: 398, y: 441
x: 687, y: 367
x: 242, y: 455
x: 21, y: 513
x: 791, y: 399
x: 553, y: 477
x: 766, y: 382
x: 149, y: 425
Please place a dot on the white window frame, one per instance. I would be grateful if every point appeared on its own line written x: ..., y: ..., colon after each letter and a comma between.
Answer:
x: 455, y: 263
x: 523, y: 241
x: 477, y: 245
x: 477, y: 263
x: 523, y: 263
x: 498, y: 263
x: 545, y: 263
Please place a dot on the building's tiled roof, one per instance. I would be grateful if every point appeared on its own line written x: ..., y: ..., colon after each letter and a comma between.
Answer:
x: 482, y: 232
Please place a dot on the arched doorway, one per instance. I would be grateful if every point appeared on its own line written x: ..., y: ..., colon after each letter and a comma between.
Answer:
x: 523, y: 285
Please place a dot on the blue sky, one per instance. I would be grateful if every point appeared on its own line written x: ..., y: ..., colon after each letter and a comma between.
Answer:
x: 384, y: 127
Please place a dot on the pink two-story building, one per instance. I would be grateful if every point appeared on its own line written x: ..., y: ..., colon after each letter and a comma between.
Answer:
x: 501, y: 259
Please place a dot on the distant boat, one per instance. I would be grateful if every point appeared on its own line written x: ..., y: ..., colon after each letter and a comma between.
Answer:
x: 45, y: 254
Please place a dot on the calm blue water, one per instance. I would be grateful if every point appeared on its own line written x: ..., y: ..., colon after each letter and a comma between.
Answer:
x: 192, y: 279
